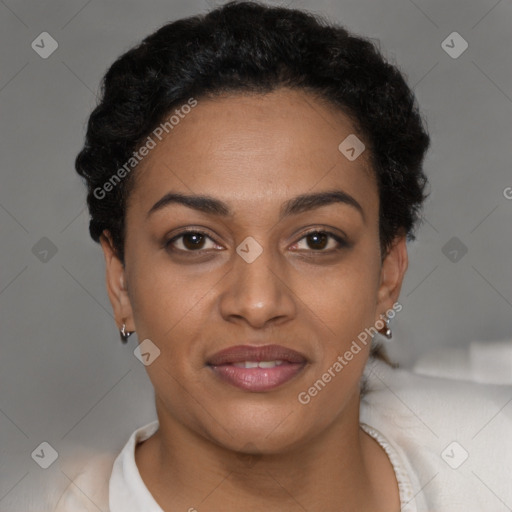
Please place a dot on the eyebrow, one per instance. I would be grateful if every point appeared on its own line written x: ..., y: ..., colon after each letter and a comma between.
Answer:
x: 204, y: 204
x: 306, y: 202
x: 299, y: 204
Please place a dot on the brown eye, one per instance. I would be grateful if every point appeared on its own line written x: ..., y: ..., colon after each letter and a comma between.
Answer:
x: 320, y: 241
x: 317, y: 241
x: 193, y: 241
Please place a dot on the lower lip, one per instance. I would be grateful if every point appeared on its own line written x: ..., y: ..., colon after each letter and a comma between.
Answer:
x: 258, y: 379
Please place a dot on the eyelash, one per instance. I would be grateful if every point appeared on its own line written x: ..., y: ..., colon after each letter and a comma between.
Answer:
x: 338, y: 239
x: 169, y: 242
x: 342, y: 243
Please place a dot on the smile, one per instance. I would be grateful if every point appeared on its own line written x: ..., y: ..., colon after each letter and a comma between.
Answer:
x: 257, y: 369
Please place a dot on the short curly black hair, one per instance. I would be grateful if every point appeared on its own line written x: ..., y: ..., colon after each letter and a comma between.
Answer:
x: 248, y: 47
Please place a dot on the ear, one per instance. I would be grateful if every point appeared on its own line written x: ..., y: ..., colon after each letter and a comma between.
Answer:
x: 392, y: 274
x: 116, y: 284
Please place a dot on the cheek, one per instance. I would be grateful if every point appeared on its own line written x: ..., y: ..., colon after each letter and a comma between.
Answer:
x: 343, y: 298
x: 172, y: 306
x: 172, y: 309
x: 342, y: 307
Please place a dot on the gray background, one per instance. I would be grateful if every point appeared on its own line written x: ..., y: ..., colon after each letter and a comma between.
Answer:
x: 64, y: 376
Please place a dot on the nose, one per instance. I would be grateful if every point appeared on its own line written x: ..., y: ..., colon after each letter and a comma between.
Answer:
x: 257, y: 293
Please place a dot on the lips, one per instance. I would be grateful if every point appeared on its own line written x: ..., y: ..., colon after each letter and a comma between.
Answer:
x: 257, y: 368
x: 242, y: 353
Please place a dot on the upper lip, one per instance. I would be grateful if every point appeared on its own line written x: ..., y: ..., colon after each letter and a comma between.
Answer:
x: 241, y: 353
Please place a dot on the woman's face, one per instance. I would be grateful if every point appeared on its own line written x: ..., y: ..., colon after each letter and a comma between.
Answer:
x: 284, y: 252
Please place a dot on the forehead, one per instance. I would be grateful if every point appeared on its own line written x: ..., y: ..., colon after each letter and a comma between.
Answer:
x: 254, y: 148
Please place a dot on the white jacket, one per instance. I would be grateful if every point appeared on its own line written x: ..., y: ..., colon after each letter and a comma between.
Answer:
x: 450, y: 443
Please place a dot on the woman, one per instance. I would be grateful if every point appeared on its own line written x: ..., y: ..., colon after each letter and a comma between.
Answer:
x: 253, y: 176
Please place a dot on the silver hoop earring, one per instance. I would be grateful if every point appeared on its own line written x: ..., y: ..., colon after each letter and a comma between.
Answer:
x: 386, y: 331
x: 125, y: 334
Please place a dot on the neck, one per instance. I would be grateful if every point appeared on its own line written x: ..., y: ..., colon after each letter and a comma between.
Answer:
x: 341, y: 468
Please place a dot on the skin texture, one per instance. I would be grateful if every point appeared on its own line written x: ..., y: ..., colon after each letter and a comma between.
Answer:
x: 219, y: 447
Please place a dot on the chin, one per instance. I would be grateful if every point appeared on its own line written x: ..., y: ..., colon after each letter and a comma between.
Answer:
x: 263, y: 428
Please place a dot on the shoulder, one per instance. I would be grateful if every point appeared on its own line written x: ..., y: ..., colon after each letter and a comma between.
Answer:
x: 443, y: 403
x: 454, y: 434
x: 89, y: 485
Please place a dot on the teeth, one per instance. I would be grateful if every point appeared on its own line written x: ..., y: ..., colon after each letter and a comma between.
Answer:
x: 269, y: 364
x: 247, y: 364
x: 261, y: 364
